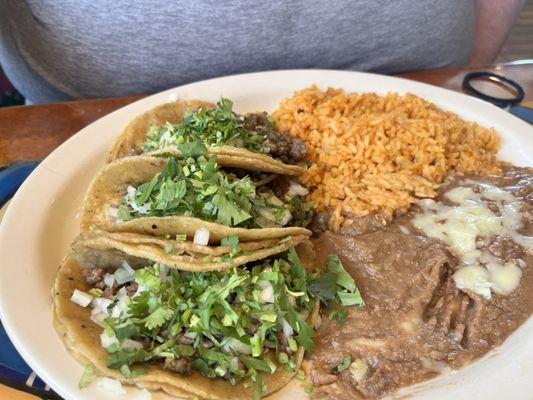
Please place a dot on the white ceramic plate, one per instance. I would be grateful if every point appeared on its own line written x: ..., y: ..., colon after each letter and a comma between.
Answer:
x: 42, y: 220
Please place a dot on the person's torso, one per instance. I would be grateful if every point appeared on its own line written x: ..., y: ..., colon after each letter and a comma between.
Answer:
x: 102, y: 48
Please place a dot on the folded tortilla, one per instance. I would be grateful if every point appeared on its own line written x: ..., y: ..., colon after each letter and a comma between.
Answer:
x: 81, y: 336
x: 96, y: 248
x: 130, y: 141
x: 110, y: 184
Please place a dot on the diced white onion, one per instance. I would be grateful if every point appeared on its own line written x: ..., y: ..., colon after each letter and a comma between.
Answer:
x: 81, y: 298
x: 131, y: 344
x: 234, y: 362
x: 173, y: 97
x: 122, y: 275
x: 112, y: 211
x: 115, y: 313
x: 100, y: 304
x: 98, y: 317
x: 287, y: 328
x: 131, y: 191
x: 238, y: 346
x: 109, y: 279
x: 190, y: 335
x: 108, y: 340
x: 144, y: 209
x: 295, y: 189
x: 267, y: 292
x: 287, y: 216
x: 163, y: 271
x: 122, y: 294
x: 130, y: 199
x: 127, y: 267
x: 111, y: 386
x: 140, y: 289
x: 165, y: 137
x: 122, y: 305
x: 275, y: 200
x: 201, y: 236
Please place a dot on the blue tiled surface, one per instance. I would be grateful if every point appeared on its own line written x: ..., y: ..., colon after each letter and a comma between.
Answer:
x: 13, y: 369
x: 9, y: 357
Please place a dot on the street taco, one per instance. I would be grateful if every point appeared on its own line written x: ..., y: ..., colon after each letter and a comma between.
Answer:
x: 237, y: 334
x: 98, y: 247
x: 169, y: 196
x: 252, y: 138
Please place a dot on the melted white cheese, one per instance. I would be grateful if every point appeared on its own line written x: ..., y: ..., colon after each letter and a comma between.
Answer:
x: 475, y: 278
x: 461, y: 226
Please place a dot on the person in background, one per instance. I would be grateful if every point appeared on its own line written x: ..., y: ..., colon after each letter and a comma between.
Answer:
x: 58, y: 50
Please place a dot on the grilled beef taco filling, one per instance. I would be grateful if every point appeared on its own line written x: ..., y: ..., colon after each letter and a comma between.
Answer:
x: 230, y: 325
x: 197, y: 187
x: 220, y: 126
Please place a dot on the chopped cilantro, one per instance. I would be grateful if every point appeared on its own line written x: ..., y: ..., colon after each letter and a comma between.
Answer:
x: 124, y: 213
x: 127, y: 331
x: 86, y: 377
x: 192, y: 149
x: 344, y: 364
x: 229, y: 213
x: 158, y: 317
x: 184, y: 350
x: 217, y: 126
x: 232, y: 241
x: 126, y: 357
x: 216, y: 322
x: 338, y: 314
x: 301, y: 211
x: 336, y: 285
x: 198, y: 187
x: 325, y: 287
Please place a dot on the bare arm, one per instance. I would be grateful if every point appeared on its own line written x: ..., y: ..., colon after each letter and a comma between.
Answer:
x: 494, y: 19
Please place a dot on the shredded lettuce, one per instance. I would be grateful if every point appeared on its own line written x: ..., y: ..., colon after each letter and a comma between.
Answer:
x: 344, y: 364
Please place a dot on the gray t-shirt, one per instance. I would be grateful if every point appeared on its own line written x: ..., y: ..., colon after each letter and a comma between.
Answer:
x: 54, y: 50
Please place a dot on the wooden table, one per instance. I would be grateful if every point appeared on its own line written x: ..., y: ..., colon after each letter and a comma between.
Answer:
x: 32, y: 132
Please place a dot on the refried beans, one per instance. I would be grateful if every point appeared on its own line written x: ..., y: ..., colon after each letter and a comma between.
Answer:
x: 416, y: 323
